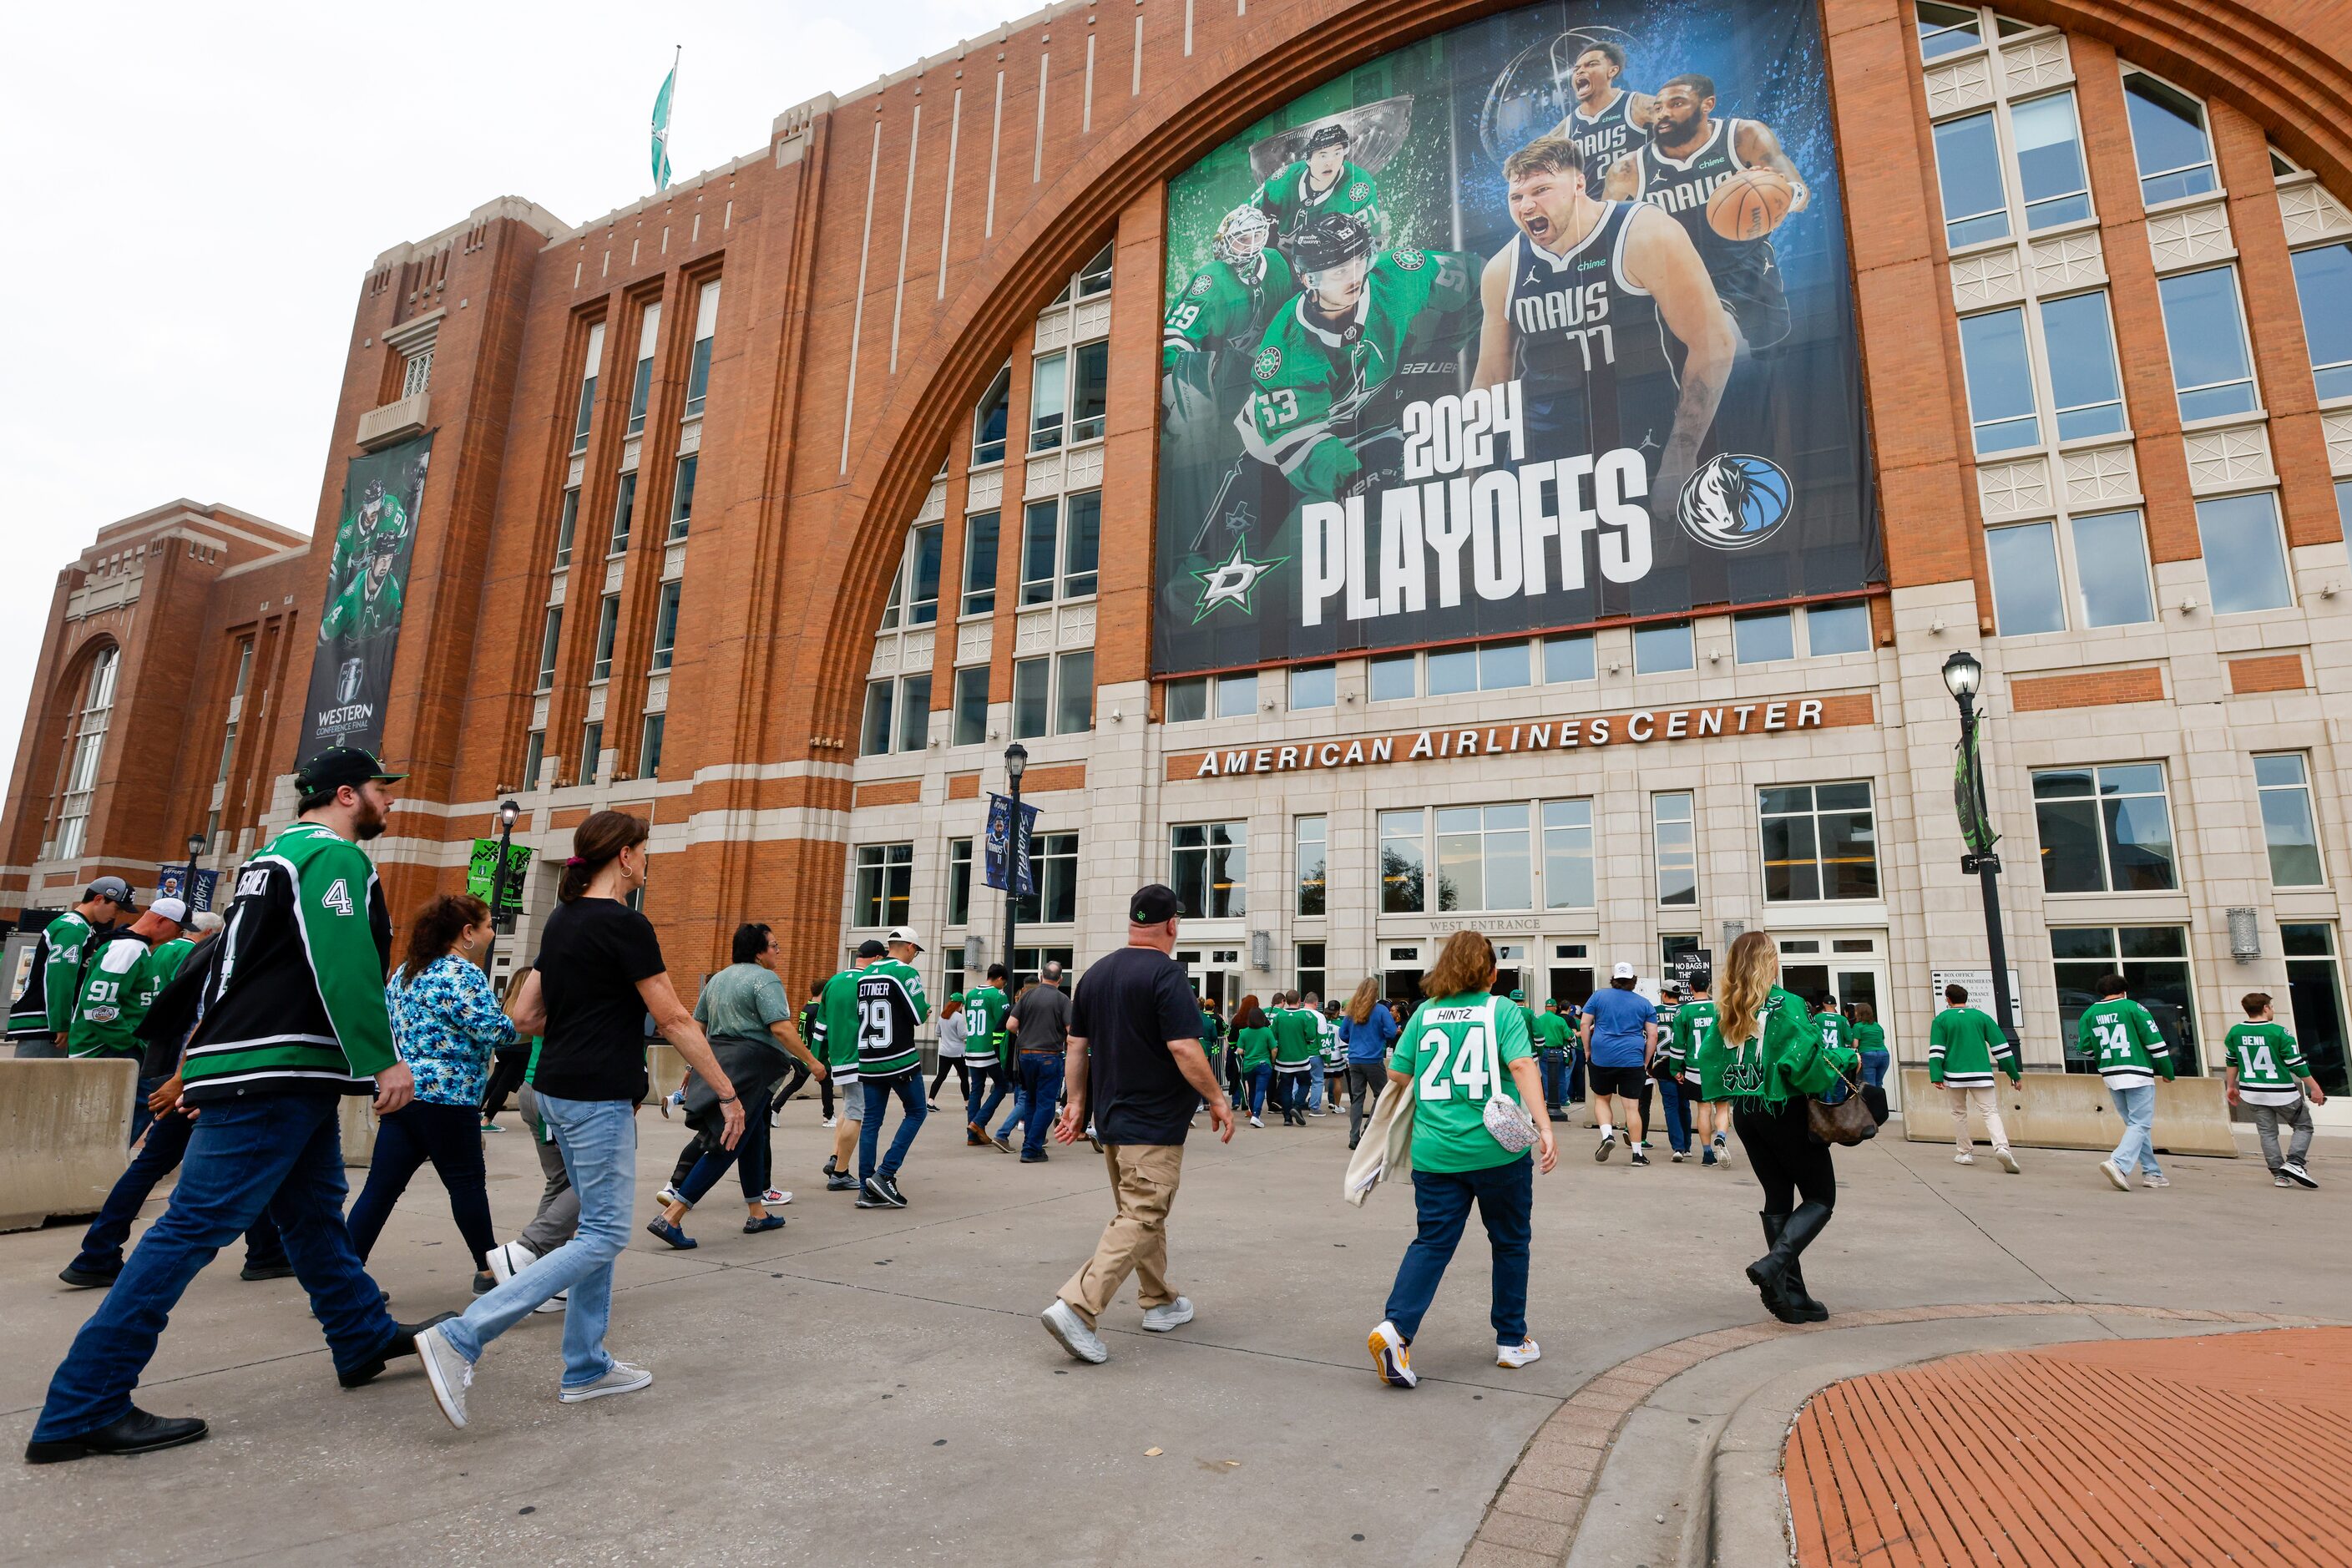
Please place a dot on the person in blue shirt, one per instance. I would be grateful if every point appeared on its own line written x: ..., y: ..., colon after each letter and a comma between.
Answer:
x: 1367, y: 1030
x: 1621, y: 1036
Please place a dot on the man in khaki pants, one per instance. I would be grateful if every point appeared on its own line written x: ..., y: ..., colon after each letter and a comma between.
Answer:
x: 1135, y: 1067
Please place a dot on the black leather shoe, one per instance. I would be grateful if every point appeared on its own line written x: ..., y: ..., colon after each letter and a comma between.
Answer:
x: 137, y: 1432
x: 86, y: 1279
x: 403, y: 1342
x: 260, y: 1271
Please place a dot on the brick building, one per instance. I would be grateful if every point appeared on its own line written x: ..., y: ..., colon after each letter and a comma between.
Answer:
x: 785, y: 397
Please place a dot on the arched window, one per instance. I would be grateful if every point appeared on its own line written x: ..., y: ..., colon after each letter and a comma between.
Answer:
x: 87, y: 744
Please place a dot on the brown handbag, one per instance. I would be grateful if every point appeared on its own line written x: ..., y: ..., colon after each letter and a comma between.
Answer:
x: 1848, y: 1122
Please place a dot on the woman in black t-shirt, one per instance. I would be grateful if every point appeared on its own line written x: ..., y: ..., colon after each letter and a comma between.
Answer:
x: 598, y: 974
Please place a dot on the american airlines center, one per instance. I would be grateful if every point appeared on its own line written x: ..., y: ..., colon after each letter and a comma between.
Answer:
x: 1380, y: 469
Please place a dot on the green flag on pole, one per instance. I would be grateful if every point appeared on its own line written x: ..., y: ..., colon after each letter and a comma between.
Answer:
x: 661, y: 125
x: 1968, y: 797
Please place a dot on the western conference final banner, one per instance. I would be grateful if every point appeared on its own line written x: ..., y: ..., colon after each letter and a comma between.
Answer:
x: 359, y: 630
x: 1541, y: 320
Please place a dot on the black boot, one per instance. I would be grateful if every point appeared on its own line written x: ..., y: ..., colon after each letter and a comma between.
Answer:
x: 1766, y: 1274
x: 1792, y: 1278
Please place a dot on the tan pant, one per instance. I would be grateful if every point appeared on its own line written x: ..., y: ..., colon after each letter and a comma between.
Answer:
x: 1143, y: 1180
x: 1987, y: 1103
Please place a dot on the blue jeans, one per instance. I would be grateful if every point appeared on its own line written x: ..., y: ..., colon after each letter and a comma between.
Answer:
x: 1291, y: 1092
x: 598, y: 1139
x: 909, y: 1087
x: 988, y: 1087
x: 1254, y: 1080
x: 1576, y: 1075
x: 101, y: 1245
x: 1553, y: 1066
x: 141, y: 1117
x: 1315, y: 1092
x: 282, y: 1153
x: 2137, y: 1108
x: 1873, y: 1067
x: 1674, y: 1108
x: 1505, y: 1196
x: 1040, y: 1085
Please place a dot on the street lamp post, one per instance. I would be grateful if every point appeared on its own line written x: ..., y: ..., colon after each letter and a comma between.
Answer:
x: 1016, y: 762
x: 1962, y: 677
x: 507, y: 811
x: 188, y: 888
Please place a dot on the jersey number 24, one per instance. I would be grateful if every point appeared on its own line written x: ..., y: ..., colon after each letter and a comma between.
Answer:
x: 1452, y: 1067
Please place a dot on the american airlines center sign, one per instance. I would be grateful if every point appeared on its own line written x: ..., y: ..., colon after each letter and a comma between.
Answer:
x: 1536, y: 322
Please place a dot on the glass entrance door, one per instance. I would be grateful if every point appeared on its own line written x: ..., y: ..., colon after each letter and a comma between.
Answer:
x: 2314, y: 987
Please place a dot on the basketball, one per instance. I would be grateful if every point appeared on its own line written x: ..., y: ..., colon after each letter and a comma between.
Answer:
x: 1749, y: 205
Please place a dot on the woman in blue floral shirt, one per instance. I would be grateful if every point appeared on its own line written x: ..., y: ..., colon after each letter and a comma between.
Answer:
x: 447, y: 1021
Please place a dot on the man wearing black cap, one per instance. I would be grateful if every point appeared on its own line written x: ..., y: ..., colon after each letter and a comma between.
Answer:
x: 293, y: 1018
x: 1136, y: 1069
x: 41, y: 1017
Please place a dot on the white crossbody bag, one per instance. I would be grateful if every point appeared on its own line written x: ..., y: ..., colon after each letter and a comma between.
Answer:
x: 1507, y: 1121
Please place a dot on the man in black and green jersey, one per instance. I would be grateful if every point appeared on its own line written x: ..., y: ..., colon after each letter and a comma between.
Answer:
x: 1710, y: 1119
x: 1214, y: 327
x: 293, y: 1018
x: 1296, y: 1037
x: 2118, y: 1032
x: 125, y: 968
x: 985, y: 1056
x: 834, y: 1039
x: 890, y: 1004
x: 2267, y: 1071
x: 38, y: 1018
x: 1963, y: 1044
x: 1320, y: 182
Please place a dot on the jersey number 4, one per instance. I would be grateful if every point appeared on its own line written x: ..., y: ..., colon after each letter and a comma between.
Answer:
x: 1452, y: 1067
x: 338, y: 897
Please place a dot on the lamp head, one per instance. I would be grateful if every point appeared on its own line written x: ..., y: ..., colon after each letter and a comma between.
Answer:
x: 507, y: 811
x: 1016, y: 761
x: 1963, y: 674
x: 195, y: 844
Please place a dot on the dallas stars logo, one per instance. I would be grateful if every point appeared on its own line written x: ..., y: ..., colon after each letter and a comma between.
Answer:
x: 1234, y: 582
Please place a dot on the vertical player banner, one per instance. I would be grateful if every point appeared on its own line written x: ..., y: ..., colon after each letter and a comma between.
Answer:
x: 1542, y: 321
x: 1007, y: 866
x: 359, y: 630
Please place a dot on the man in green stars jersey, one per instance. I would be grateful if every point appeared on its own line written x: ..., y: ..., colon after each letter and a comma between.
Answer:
x: 1552, y: 1036
x: 2267, y: 1071
x: 1964, y: 1045
x: 2118, y: 1034
x: 1297, y: 1038
x: 1711, y: 1121
x: 836, y: 1041
x: 127, y: 968
x: 40, y: 1018
x: 985, y: 1056
x: 1322, y: 360
x: 370, y: 606
x: 1320, y: 184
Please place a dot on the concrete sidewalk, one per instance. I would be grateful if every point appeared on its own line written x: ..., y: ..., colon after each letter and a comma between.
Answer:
x: 871, y: 1387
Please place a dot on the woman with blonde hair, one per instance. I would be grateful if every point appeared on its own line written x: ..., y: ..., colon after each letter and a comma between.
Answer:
x: 1764, y: 1055
x: 1463, y: 1047
x: 1367, y: 1030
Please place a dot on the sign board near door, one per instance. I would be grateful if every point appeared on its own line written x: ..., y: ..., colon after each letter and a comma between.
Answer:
x: 1978, y: 982
x: 1693, y: 961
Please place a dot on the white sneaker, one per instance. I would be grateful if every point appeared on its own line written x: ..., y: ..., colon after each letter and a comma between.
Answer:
x: 2114, y: 1173
x: 1391, y: 1357
x: 508, y: 1260
x: 1071, y: 1332
x: 669, y: 1194
x: 2007, y: 1160
x: 1519, y: 1354
x: 446, y: 1374
x: 619, y: 1378
x: 1256, y: 1122
x: 1964, y: 1158
x: 2157, y: 1179
x: 2277, y: 1181
x: 1174, y: 1315
x: 2295, y: 1172
x: 829, y: 1122
x: 773, y: 1199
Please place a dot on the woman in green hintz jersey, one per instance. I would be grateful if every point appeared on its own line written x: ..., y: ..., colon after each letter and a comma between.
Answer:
x: 1253, y: 1044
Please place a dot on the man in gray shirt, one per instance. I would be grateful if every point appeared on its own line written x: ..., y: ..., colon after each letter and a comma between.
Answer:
x: 1039, y: 1026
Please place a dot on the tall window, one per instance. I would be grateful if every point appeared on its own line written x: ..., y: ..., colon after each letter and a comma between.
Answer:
x: 1313, y: 834
x: 2211, y: 370
x: 592, y: 751
x: 1483, y: 858
x: 988, y: 419
x: 624, y: 512
x: 2168, y: 140
x: 2104, y: 829
x: 1049, y: 401
x: 2050, y: 160
x: 1567, y: 854
x: 1820, y: 842
x: 1673, y: 837
x: 1404, y: 861
x: 1208, y: 866
x: 551, y: 640
x: 1039, y: 526
x: 534, y: 755
x: 588, y: 388
x: 416, y: 373
x: 2028, y: 595
x: 1054, y: 696
x: 1081, y: 543
x: 706, y: 327
x: 2323, y: 281
x: 2153, y: 962
x: 681, y: 497
x: 665, y: 625
x: 971, y: 705
x: 980, y: 563
x: 2000, y: 374
x: 914, y: 712
x: 2079, y: 346
x: 2290, y: 831
x: 1061, y: 543
x: 1089, y: 390
x: 89, y: 746
x: 649, y: 745
x: 641, y: 386
x: 2314, y: 985
x: 1309, y: 968
x: 2245, y: 557
x: 1968, y: 173
x: 885, y: 885
x: 2106, y: 566
x: 567, y: 524
x: 959, y: 881
x: 608, y: 626
x: 874, y: 730
x: 1054, y: 872
x: 915, y: 590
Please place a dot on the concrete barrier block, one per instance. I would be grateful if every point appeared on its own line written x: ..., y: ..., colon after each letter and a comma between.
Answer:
x: 65, y: 1132
x: 359, y: 1130
x: 2071, y: 1111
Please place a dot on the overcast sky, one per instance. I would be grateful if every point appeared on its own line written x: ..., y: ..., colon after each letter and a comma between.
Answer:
x: 197, y: 191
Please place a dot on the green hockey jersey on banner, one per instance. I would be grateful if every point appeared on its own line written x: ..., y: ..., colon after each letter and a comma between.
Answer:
x: 1290, y: 201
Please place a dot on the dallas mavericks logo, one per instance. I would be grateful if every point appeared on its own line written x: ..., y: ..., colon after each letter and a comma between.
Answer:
x: 1734, y: 501
x: 347, y: 679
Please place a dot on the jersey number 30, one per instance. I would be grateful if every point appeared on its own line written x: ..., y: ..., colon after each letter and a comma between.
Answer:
x: 1451, y: 1067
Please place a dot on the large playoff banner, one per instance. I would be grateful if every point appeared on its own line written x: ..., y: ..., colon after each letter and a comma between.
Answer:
x: 1543, y: 319
x: 359, y: 630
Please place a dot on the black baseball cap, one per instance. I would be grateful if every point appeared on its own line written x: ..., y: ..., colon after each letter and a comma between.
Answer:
x: 113, y: 888
x: 339, y: 765
x: 870, y: 948
x: 1153, y: 903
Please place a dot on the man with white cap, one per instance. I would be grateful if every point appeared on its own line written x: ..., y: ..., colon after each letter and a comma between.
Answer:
x: 1621, y: 1034
x: 890, y: 1004
x: 38, y: 1020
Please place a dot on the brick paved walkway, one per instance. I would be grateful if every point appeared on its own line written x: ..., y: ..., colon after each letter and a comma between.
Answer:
x: 2176, y: 1453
